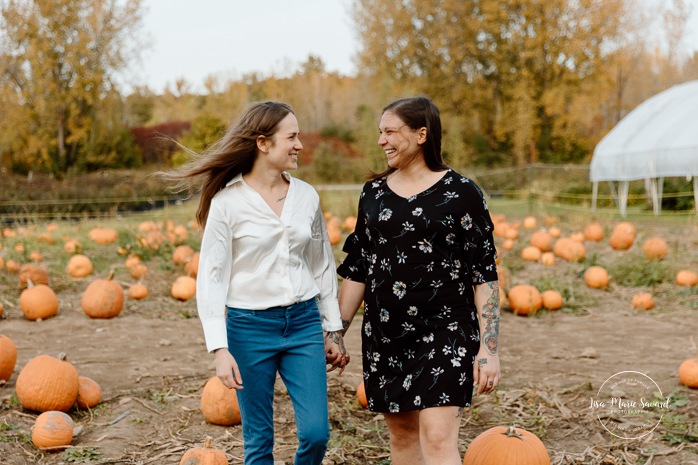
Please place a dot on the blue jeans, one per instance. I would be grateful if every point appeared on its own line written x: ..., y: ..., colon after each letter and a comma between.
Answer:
x: 288, y: 340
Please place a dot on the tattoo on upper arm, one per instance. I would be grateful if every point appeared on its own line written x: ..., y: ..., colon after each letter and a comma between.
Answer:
x: 490, y: 313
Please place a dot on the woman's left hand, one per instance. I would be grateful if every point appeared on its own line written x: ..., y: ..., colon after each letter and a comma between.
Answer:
x: 336, y: 354
x: 485, y: 372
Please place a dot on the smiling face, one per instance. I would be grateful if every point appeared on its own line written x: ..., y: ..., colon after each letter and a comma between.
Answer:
x: 284, y: 145
x: 401, y: 144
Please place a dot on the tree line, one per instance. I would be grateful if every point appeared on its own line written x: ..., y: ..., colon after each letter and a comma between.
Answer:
x: 516, y: 80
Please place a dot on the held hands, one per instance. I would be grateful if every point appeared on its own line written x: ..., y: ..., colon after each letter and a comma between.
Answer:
x: 485, y: 372
x: 227, y: 369
x: 336, y: 354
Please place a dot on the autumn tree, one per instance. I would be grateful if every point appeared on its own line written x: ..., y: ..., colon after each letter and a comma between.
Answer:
x: 58, y: 59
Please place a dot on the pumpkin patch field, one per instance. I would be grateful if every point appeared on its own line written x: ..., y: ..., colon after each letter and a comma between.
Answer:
x: 102, y: 357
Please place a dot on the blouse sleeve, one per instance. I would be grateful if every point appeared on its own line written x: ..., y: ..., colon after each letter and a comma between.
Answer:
x: 213, y: 278
x: 323, y: 268
x: 480, y: 253
x: 356, y: 246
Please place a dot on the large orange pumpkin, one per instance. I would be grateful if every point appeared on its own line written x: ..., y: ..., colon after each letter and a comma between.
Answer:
x: 686, y: 278
x: 103, y: 298
x: 688, y: 372
x: 206, y: 455
x: 137, y: 292
x: 192, y: 265
x: 361, y: 395
x: 643, y: 300
x: 569, y: 249
x: 596, y: 277
x: 38, y: 302
x: 531, y: 253
x: 8, y: 358
x: 48, y: 383
x: 181, y: 254
x: 593, y: 232
x: 219, y: 405
x: 103, y: 236
x: 552, y: 300
x: 622, y: 236
x: 79, y: 266
x: 89, y: 392
x: 503, y: 445
x: 542, y: 240
x: 524, y: 299
x: 52, y: 430
x: 184, y: 288
x: 655, y: 248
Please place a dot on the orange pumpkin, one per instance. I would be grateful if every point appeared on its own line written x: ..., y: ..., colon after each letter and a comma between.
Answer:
x: 552, y: 300
x: 503, y: 445
x: 103, y: 298
x: 335, y: 235
x: 554, y: 232
x: 79, y: 266
x: 137, y: 292
x: 72, y: 246
x: 655, y: 248
x: 34, y: 272
x: 38, y: 302
x: 569, y: 249
x: 361, y: 395
x: 48, y: 383
x: 593, y: 232
x: 132, y: 261
x: 688, y: 372
x: 52, y: 430
x: 219, y: 405
x: 542, y: 240
x: 530, y: 222
x: 184, y: 288
x: 524, y: 299
x: 349, y: 224
x: 547, y: 258
x: 8, y: 358
x: 89, y: 392
x: 138, y: 270
x: 103, y: 236
x: 531, y: 253
x: 206, y: 455
x: 192, y: 265
x: 596, y: 277
x: 12, y: 266
x: 643, y: 300
x: 622, y: 236
x: 181, y: 254
x: 686, y: 278
x: 508, y: 244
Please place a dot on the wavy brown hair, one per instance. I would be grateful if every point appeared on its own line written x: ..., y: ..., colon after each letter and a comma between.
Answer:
x: 233, y: 154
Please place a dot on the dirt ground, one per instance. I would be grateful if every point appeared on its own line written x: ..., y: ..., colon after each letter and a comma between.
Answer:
x: 152, y: 366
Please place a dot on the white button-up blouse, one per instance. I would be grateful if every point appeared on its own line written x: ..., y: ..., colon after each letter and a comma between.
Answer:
x: 253, y: 259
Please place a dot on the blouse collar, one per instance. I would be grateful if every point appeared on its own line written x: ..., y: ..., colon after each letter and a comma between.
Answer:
x: 238, y: 178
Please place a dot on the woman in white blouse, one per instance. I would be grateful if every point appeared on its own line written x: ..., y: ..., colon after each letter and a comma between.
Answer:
x: 267, y: 283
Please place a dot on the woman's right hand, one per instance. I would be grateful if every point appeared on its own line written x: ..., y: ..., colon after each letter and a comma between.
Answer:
x: 227, y: 369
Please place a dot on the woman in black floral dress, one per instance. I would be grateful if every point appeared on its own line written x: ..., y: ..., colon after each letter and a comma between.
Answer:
x: 422, y: 259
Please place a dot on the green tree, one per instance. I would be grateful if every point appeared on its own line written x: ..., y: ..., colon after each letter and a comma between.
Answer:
x: 58, y: 58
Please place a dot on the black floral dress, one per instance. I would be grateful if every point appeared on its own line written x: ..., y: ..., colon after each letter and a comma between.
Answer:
x: 420, y: 258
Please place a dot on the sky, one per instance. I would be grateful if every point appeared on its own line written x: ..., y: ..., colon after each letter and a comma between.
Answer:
x: 228, y: 38
x: 193, y: 39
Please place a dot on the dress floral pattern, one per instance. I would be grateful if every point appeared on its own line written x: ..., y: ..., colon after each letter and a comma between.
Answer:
x: 420, y: 258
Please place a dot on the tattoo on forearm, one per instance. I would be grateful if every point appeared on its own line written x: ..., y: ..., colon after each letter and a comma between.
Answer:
x: 490, y: 313
x: 459, y: 414
x: 336, y: 337
x: 345, y: 326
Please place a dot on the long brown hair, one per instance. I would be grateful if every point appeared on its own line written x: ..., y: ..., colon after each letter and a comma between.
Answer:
x: 233, y: 154
x: 420, y: 112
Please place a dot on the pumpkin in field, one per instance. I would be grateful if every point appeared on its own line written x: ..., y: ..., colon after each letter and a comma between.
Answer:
x: 12, y: 266
x: 596, y: 277
x: 89, y: 392
x: 181, y: 254
x: 72, y: 246
x: 688, y: 372
x: 531, y: 253
x: 79, y: 266
x: 52, y: 430
x: 34, y: 273
x: 137, y: 292
x: 361, y: 395
x: 655, y: 248
x: 508, y: 244
x: 219, y: 405
x: 103, y: 298
x: 622, y: 236
x: 593, y: 232
x: 192, y: 265
x: 686, y: 278
x: 547, y: 258
x: 524, y: 299
x: 131, y: 261
x: 103, y: 236
x: 503, y: 445
x: 138, y: 270
x: 530, y: 222
x: 206, y: 455
x: 569, y: 249
x: 335, y: 236
x: 349, y: 224
x: 48, y: 383
x: 8, y: 358
x: 554, y: 232
x: 38, y: 302
x: 184, y: 288
x: 552, y: 300
x: 542, y: 240
x: 643, y: 300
